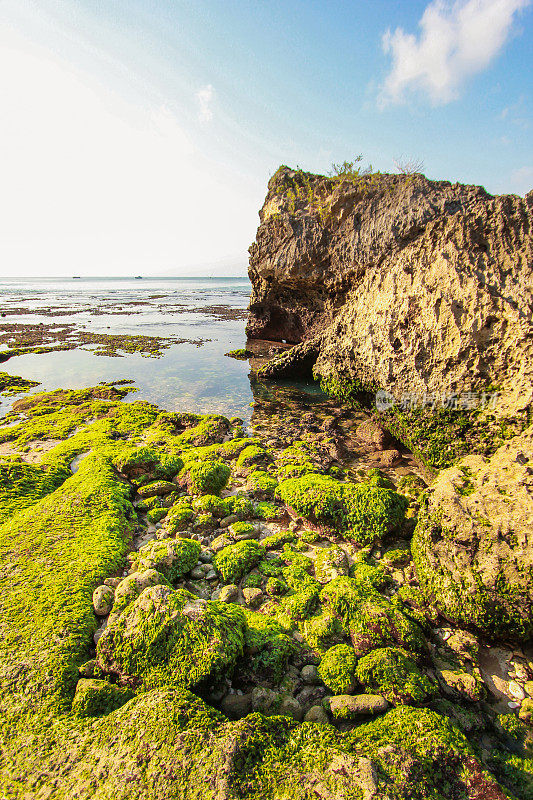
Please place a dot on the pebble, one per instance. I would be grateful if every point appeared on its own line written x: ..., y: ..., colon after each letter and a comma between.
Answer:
x: 309, y: 675
x: 513, y: 704
x: 528, y: 686
x: 317, y: 714
x: 211, y: 575
x: 197, y: 573
x: 516, y: 690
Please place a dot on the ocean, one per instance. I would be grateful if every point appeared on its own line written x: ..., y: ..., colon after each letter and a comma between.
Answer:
x: 200, y: 319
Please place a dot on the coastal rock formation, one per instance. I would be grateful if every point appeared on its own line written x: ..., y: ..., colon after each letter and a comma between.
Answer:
x: 473, y: 545
x: 397, y: 282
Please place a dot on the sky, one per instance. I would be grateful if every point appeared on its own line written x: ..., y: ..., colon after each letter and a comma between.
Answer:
x: 138, y: 136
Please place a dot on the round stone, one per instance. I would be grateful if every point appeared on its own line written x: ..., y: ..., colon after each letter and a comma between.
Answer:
x: 516, y: 690
x: 103, y: 597
x: 309, y: 675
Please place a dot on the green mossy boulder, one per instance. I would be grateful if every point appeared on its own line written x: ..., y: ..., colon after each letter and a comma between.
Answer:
x: 172, y: 557
x: 205, y: 477
x: 360, y: 512
x: 94, y: 698
x: 330, y: 563
x: 262, y: 484
x: 132, y: 585
x: 338, y: 669
x: 210, y: 504
x: 155, y: 515
x: 268, y: 645
x: 323, y: 631
x: 239, y: 506
x: 235, y: 560
x: 390, y: 671
x: 170, y: 637
x: 156, y: 489
x: 473, y: 544
x: 136, y: 461
x: 253, y: 455
x: 179, y: 517
x: 379, y: 623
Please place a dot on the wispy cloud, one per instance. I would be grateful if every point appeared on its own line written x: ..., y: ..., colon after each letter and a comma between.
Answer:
x: 521, y: 180
x: 456, y: 40
x: 204, y: 98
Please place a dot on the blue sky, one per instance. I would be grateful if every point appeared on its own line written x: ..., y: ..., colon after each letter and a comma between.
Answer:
x: 138, y: 136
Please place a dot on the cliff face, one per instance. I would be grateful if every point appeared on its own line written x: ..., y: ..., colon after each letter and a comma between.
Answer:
x: 397, y: 282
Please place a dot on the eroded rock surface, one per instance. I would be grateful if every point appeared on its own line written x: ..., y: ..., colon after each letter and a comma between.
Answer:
x: 473, y: 545
x: 396, y: 282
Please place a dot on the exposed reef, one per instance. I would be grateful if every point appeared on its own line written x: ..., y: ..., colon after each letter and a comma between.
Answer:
x: 188, y: 611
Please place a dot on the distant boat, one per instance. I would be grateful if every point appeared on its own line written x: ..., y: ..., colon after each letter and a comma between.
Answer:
x: 138, y: 277
x: 76, y: 277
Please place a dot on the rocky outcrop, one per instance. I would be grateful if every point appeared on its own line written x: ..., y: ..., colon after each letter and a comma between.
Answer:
x: 397, y: 282
x: 473, y: 545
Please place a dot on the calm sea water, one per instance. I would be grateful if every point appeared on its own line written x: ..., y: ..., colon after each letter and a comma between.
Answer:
x: 187, y: 377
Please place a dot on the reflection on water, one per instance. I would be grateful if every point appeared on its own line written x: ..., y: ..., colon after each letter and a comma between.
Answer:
x: 186, y: 377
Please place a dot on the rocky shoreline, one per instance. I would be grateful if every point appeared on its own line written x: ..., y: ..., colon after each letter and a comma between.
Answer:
x: 336, y: 602
x: 261, y: 617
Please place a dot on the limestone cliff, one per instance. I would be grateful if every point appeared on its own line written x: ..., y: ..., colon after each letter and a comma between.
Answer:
x: 397, y: 282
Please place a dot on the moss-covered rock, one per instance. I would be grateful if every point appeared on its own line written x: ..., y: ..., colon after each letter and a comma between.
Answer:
x: 235, y: 560
x: 278, y: 539
x: 156, y: 489
x: 179, y: 517
x: 94, y: 697
x: 338, y: 669
x: 361, y: 512
x: 210, y: 504
x: 155, y: 515
x: 322, y: 631
x: 473, y: 543
x: 262, y: 484
x: 131, y: 586
x: 268, y: 645
x: 330, y: 563
x: 205, y: 477
x: 389, y: 671
x: 172, y: 557
x: 353, y: 707
x: 253, y: 455
x: 136, y: 461
x: 378, y: 623
x: 170, y: 637
x: 269, y: 511
x: 241, y: 507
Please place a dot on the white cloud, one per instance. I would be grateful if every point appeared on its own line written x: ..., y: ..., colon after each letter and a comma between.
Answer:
x: 95, y: 182
x: 204, y: 98
x: 455, y: 42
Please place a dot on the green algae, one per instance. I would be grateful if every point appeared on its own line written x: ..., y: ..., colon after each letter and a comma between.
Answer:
x: 235, y: 560
x: 390, y: 672
x: 13, y: 384
x: 338, y: 669
x: 361, y: 512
